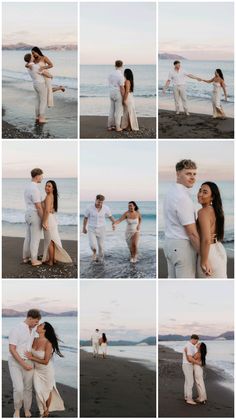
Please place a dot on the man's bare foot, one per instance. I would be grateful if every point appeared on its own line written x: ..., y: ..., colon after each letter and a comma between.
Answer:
x: 119, y: 129
x: 36, y: 263
x: 16, y: 414
x: 62, y: 88
x: 26, y: 260
x: 42, y: 121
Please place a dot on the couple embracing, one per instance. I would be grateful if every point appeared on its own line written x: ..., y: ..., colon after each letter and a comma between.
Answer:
x: 193, y: 247
x: 31, y: 350
x: 121, y: 86
x: 41, y: 215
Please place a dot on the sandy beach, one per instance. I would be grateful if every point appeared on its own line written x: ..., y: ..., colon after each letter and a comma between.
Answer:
x: 96, y: 127
x: 116, y: 387
x: 162, y: 265
x: 12, y: 266
x: 196, y: 125
x: 171, y: 381
x: 68, y: 394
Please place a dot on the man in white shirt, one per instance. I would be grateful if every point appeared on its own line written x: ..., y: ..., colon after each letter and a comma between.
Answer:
x: 181, y: 236
x: 116, y: 87
x: 177, y: 76
x: 95, y: 216
x: 95, y: 342
x: 33, y: 218
x: 188, y: 370
x: 21, y: 338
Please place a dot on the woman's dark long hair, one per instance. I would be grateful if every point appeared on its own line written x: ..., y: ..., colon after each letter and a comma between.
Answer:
x: 129, y: 76
x: 218, y: 208
x: 219, y: 71
x: 136, y: 208
x: 37, y: 50
x: 104, y: 338
x: 52, y: 337
x: 203, y: 352
x: 55, y: 194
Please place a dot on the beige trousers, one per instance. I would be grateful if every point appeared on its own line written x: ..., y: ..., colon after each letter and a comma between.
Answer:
x: 41, y: 99
x: 116, y: 109
x: 201, y: 389
x: 181, y: 258
x: 22, y: 381
x: 180, y: 96
x: 189, y: 381
x: 95, y: 348
x: 96, y: 237
x: 33, y: 235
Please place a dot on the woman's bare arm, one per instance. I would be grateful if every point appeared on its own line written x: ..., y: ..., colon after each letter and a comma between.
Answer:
x: 205, y: 236
x: 208, y: 81
x: 224, y: 89
x: 47, y: 356
x: 127, y: 90
x: 122, y: 218
x: 47, y: 210
x: 139, y: 221
x: 48, y: 63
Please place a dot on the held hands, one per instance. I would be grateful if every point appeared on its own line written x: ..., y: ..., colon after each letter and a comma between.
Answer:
x: 207, y: 269
x: 28, y: 355
x: 45, y: 226
x: 85, y: 230
x: 113, y: 226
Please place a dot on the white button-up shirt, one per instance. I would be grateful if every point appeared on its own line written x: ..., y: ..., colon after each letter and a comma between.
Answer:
x: 191, y: 351
x: 22, y: 337
x: 178, y: 78
x: 32, y: 195
x: 97, y: 218
x: 95, y: 337
x: 178, y: 212
x: 116, y: 79
x: 33, y: 71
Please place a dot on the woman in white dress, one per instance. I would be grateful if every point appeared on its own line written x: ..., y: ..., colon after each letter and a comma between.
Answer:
x: 133, y: 219
x: 218, y: 84
x: 199, y: 361
x: 103, y: 344
x: 43, y: 349
x: 129, y: 119
x: 212, y: 261
x: 53, y: 250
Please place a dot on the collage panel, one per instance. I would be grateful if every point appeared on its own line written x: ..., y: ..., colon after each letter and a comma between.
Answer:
x: 118, y: 70
x: 118, y: 209
x: 39, y: 70
x: 39, y: 348
x: 39, y: 209
x: 196, y: 349
x: 118, y: 349
x: 196, y: 69
x: 196, y: 209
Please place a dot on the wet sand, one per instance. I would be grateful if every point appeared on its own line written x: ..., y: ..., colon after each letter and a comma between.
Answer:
x: 171, y: 382
x: 13, y: 267
x: 115, y: 387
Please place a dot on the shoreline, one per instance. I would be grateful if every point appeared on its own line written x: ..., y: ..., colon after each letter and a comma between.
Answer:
x: 171, y: 382
x: 116, y: 387
x: 13, y: 267
x: 196, y: 125
x: 162, y: 265
x: 68, y: 394
x: 96, y: 127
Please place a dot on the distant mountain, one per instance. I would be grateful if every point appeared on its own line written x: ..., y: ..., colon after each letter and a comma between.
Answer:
x: 21, y: 46
x: 166, y: 56
x: 148, y: 341
x: 7, y: 312
x: 226, y: 336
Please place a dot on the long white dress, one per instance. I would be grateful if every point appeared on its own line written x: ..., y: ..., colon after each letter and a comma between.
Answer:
x: 52, y: 234
x: 199, y: 379
x: 131, y: 229
x: 218, y: 259
x: 216, y: 103
x: 129, y: 114
x: 44, y: 384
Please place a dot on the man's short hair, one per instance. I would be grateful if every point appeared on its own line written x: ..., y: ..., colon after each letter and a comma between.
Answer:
x: 97, y: 330
x: 34, y: 313
x: 119, y: 63
x: 185, y: 164
x: 176, y: 62
x: 27, y: 58
x: 36, y: 172
x: 100, y: 197
x: 195, y: 337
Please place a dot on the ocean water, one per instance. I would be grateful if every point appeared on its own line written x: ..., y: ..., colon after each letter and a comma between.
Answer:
x: 199, y: 91
x: 117, y: 257
x: 220, y: 355
x: 227, y: 194
x: 66, y: 329
x: 145, y: 355
x: 17, y: 88
x: 13, y: 207
x: 94, y: 91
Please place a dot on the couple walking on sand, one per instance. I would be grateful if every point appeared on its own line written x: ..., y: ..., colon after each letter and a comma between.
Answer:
x: 194, y: 360
x: 193, y: 247
x: 121, y: 86
x: 178, y: 78
x: 41, y: 215
x: 30, y: 363
x: 95, y: 217
x: 97, y: 342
